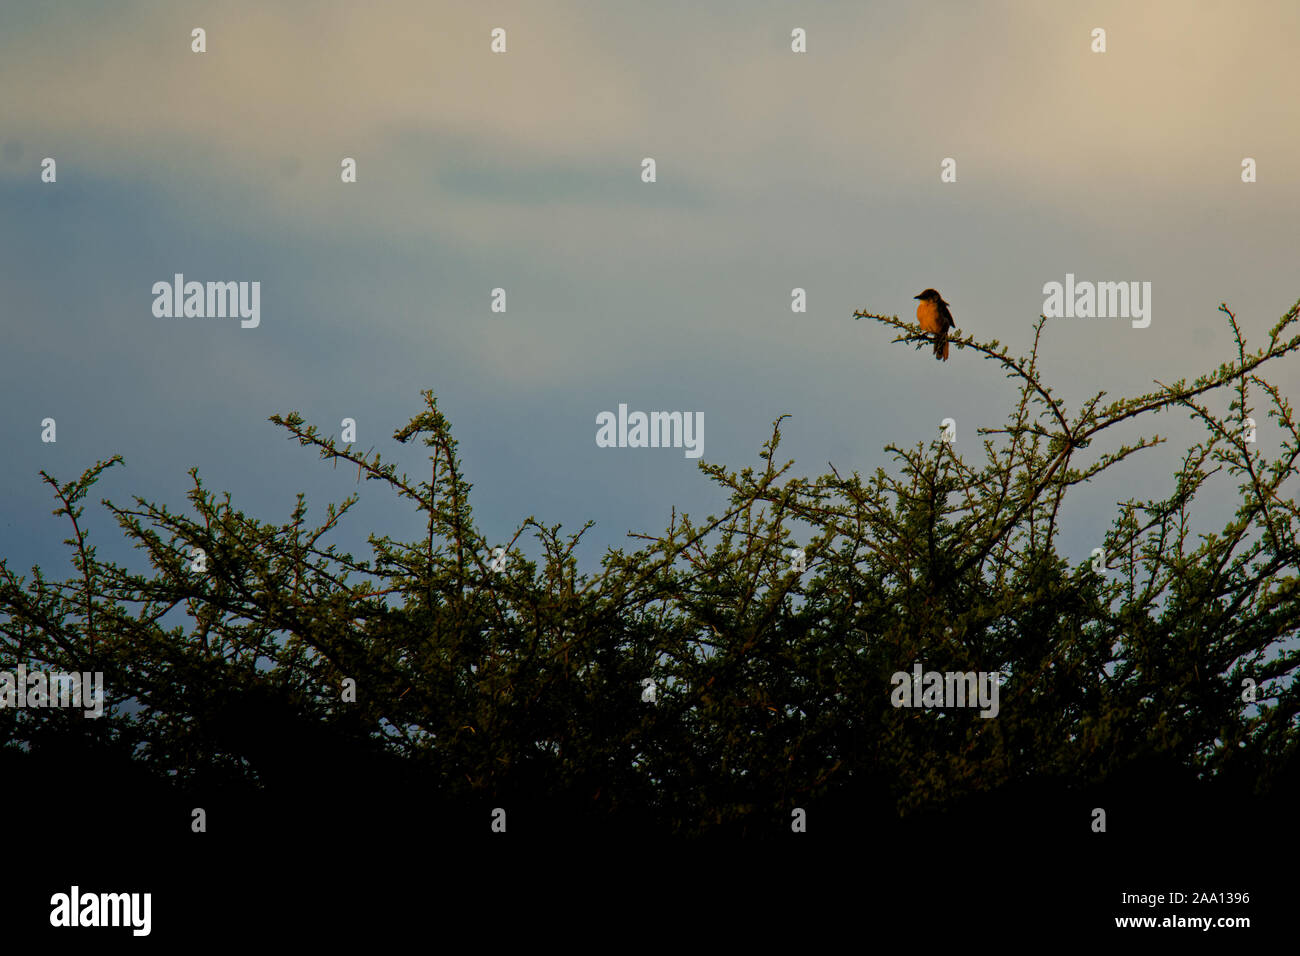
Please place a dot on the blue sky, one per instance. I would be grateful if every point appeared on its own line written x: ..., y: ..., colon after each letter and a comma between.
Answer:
x: 522, y: 170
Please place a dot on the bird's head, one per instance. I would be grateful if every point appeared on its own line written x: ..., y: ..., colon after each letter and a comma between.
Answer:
x: 929, y: 295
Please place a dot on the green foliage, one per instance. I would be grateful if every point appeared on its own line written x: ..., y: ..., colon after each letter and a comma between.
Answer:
x: 773, y: 686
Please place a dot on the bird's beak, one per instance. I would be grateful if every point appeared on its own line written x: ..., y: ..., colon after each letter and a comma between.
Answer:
x: 916, y: 297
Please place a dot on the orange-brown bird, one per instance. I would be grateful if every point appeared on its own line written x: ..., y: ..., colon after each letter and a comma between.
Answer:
x: 935, y: 318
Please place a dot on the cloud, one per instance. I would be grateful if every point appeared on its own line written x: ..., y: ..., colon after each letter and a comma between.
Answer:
x: 1012, y: 91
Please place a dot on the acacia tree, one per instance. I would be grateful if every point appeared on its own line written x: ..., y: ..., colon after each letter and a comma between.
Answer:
x: 468, y: 671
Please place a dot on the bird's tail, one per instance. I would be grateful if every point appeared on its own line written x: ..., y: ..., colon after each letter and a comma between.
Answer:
x: 941, y: 347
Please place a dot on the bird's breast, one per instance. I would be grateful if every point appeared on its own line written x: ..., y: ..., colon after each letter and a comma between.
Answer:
x: 927, y: 313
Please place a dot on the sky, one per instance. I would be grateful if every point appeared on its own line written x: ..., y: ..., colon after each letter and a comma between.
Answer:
x: 522, y: 170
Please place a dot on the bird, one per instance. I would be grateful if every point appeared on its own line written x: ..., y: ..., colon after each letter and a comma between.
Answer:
x: 935, y: 318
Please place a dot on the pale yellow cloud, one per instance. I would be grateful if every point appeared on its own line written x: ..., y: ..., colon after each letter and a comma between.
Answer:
x: 1007, y: 84
x: 1010, y: 90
